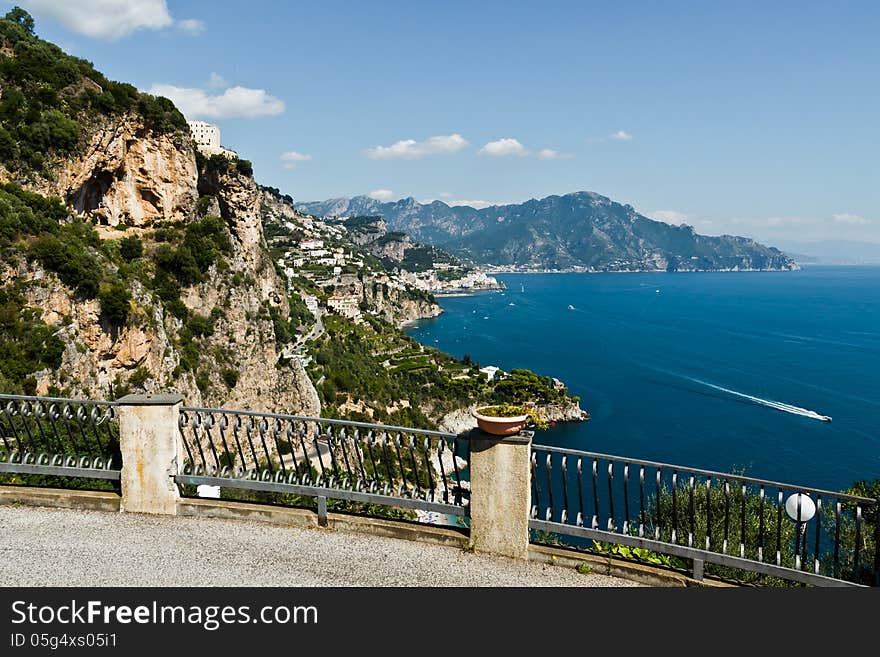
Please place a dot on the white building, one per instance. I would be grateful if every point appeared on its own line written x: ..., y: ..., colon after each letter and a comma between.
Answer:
x: 309, y: 245
x: 207, y: 138
x: 311, y: 303
x: 490, y: 371
x: 347, y: 306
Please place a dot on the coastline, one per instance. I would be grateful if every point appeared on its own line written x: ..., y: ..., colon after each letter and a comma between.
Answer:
x: 637, y: 271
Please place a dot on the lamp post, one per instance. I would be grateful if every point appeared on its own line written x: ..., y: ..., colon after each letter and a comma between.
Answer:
x: 800, y: 508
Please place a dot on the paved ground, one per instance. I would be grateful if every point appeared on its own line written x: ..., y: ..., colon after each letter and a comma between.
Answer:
x: 61, y: 547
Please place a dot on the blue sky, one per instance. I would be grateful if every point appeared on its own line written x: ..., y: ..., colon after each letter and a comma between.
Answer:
x: 758, y: 119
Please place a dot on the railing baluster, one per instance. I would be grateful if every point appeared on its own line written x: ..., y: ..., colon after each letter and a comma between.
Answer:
x: 816, y: 552
x: 761, y: 525
x: 535, y: 492
x: 209, y: 424
x: 626, y: 498
x: 261, y: 427
x: 276, y: 430
x: 564, y: 468
x: 779, y: 505
x: 441, y: 447
x: 674, y: 536
x: 246, y: 424
x: 726, y: 516
x: 691, y: 512
x: 837, y: 510
x: 549, y: 470
x: 595, y: 523
x: 658, y: 514
x: 404, y: 486
x: 858, y: 542
x: 412, y: 456
x: 290, y: 432
x: 426, y: 444
x: 580, y: 516
x: 458, y: 495
x: 389, y: 473
x: 708, y: 513
x: 742, y: 524
x: 316, y: 436
x: 642, y: 501
x: 342, y: 436
x: 611, y: 527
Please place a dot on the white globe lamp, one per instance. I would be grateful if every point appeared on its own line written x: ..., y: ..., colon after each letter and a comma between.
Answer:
x: 807, y: 507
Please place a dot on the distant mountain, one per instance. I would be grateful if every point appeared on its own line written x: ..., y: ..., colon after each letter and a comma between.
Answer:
x: 581, y: 230
x: 833, y: 252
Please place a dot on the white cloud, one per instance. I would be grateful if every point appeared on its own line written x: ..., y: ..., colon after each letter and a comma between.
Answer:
x: 191, y: 26
x: 106, y: 19
x: 412, y: 149
x: 234, y: 103
x: 381, y: 194
x: 501, y: 147
x: 852, y: 219
x: 217, y: 81
x: 669, y: 217
x: 551, y: 154
x: 620, y: 135
x: 291, y: 158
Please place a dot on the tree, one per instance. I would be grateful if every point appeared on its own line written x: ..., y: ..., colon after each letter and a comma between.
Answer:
x: 131, y: 248
x: 115, y: 302
x: 20, y: 16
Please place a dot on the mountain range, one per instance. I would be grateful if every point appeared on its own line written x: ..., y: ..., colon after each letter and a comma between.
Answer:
x: 581, y: 231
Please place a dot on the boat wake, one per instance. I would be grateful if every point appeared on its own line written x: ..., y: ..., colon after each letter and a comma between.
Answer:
x: 779, y: 406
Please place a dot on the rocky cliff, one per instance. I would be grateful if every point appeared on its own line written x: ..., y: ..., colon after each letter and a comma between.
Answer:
x: 129, y: 175
x: 140, y: 183
x: 462, y: 419
x: 394, y: 304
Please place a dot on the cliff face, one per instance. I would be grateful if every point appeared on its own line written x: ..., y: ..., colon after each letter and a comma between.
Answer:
x: 395, y: 305
x: 461, y: 419
x: 128, y: 175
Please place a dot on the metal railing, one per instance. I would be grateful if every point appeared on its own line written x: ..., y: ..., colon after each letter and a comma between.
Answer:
x: 324, y: 459
x: 737, y: 523
x: 59, y: 437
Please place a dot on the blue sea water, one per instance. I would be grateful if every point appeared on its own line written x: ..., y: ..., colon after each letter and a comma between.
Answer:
x: 711, y: 370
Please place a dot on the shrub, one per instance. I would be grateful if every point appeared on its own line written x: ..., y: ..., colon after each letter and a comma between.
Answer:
x: 131, y: 248
x: 74, y: 266
x: 230, y: 377
x: 115, y: 302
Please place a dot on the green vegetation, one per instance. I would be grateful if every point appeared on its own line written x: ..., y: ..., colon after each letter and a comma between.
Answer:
x: 115, y: 302
x: 509, y: 410
x: 131, y: 248
x: 27, y: 344
x: 48, y: 95
x: 378, y: 365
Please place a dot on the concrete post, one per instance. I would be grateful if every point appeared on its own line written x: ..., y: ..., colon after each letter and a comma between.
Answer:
x: 500, y: 478
x: 151, y: 451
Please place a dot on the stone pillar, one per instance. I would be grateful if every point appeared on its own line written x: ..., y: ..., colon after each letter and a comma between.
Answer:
x: 500, y: 478
x: 151, y: 451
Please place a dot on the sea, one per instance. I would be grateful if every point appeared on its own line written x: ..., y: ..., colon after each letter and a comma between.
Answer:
x: 727, y: 371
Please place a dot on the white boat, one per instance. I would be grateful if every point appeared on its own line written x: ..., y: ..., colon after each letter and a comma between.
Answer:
x: 522, y: 288
x: 570, y: 307
x: 825, y: 418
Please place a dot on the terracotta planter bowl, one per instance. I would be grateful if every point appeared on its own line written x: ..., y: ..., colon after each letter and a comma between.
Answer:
x: 501, y: 426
